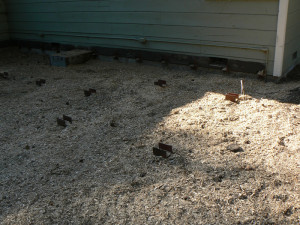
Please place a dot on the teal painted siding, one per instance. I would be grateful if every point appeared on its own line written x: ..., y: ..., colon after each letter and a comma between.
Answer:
x: 4, y: 35
x: 213, y: 28
x: 292, y: 42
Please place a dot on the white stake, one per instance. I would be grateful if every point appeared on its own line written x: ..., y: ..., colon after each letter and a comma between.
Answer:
x: 242, y: 88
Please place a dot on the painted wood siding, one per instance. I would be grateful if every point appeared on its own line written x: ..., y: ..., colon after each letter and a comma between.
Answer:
x: 212, y: 28
x: 292, y: 41
x: 4, y: 35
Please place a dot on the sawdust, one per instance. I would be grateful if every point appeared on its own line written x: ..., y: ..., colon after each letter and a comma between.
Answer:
x: 100, y: 169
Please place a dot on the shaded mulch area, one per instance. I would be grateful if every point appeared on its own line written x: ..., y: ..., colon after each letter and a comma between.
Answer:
x: 233, y: 163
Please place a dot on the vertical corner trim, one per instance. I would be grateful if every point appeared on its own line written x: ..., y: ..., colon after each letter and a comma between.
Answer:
x: 280, y: 38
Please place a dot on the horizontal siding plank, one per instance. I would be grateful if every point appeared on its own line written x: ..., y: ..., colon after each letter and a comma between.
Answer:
x: 292, y: 34
x: 3, y: 27
x: 290, y: 48
x: 294, y: 6
x: 183, y: 32
x: 2, y: 7
x: 3, y: 18
x: 292, y: 42
x: 4, y: 36
x: 155, y: 18
x: 159, y: 45
x: 293, y: 46
x: 240, y: 7
x: 293, y: 22
x: 294, y: 19
x: 47, y: 34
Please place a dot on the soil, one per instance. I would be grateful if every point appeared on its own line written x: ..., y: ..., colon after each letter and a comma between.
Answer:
x: 100, y: 169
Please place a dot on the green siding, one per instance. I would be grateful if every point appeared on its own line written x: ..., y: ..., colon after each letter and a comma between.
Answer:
x: 4, y: 35
x: 195, y: 27
x: 292, y: 42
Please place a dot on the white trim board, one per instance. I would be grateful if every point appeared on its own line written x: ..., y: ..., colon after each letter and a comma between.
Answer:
x: 280, y: 38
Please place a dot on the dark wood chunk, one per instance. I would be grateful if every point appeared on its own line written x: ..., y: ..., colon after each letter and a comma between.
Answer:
x: 160, y: 152
x: 232, y: 97
x: 91, y: 90
x: 61, y: 122
x: 67, y: 118
x: 161, y: 83
x: 165, y: 147
x: 87, y: 93
x: 235, y: 148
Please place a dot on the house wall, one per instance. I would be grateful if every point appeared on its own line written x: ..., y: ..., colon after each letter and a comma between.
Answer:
x: 292, y: 40
x: 211, y: 28
x: 4, y: 35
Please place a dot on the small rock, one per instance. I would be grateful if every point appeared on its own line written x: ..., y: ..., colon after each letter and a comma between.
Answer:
x: 249, y: 168
x: 281, y: 141
x: 289, y: 211
x: 218, y: 178
x: 4, y: 75
x: 277, y: 183
x: 40, y: 82
x: 234, y: 148
x: 231, y: 201
x: 27, y: 147
x: 243, y: 196
x: 186, y: 198
x: 283, y: 198
x: 112, y: 123
x: 135, y: 183
x: 143, y: 174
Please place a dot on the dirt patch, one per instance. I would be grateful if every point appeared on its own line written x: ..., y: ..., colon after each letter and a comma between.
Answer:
x: 294, y: 96
x: 294, y: 75
x: 100, y: 168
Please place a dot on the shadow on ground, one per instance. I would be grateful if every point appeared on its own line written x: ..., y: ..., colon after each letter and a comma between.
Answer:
x: 100, y: 169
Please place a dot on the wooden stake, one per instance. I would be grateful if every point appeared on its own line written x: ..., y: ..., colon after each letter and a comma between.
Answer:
x: 242, y: 89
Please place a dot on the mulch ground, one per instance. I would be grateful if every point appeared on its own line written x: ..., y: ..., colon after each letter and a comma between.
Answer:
x: 233, y: 163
